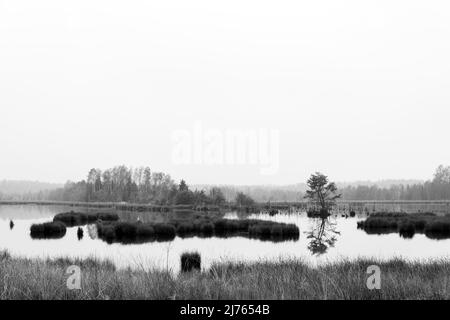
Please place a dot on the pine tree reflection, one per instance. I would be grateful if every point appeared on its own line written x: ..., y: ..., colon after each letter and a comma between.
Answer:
x: 323, y: 236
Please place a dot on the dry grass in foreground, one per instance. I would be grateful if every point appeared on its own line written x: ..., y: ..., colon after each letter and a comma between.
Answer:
x: 290, y: 279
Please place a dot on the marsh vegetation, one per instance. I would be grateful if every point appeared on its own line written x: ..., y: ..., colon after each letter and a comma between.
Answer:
x: 191, y: 261
x: 212, y: 234
x: 283, y: 279
x: 72, y: 219
x: 48, y: 230
x: 407, y: 225
x: 202, y: 226
x: 263, y: 240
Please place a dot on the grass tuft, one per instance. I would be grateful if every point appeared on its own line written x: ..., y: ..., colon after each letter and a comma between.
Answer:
x: 191, y: 261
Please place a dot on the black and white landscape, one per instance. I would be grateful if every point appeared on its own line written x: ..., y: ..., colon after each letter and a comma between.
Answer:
x: 204, y: 150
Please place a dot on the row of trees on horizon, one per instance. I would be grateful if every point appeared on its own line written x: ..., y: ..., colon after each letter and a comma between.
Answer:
x: 138, y: 185
x: 436, y: 189
x: 142, y: 185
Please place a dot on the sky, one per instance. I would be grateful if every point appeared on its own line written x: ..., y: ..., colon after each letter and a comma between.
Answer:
x: 356, y: 89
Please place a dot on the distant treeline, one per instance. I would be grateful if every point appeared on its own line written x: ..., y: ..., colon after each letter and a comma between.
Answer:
x: 425, y: 191
x: 436, y: 189
x: 24, y: 188
x: 263, y: 193
x: 138, y: 185
x: 141, y: 185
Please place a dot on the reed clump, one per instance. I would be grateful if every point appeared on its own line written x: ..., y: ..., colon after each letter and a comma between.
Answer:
x: 438, y: 229
x: 433, y: 226
x: 134, y: 232
x: 48, y: 230
x: 73, y: 219
x: 407, y: 229
x: 191, y: 261
x: 201, y: 226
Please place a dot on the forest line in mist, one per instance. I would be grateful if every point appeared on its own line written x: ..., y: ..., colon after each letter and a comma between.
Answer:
x: 142, y: 185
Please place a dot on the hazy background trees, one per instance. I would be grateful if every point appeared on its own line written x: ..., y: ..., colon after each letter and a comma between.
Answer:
x: 118, y: 184
x: 134, y: 185
x: 436, y: 189
x: 243, y: 200
x: 142, y: 185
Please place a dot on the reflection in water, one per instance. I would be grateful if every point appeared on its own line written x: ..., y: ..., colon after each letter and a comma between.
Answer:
x: 323, y: 235
x: 351, y: 243
x: 92, y: 231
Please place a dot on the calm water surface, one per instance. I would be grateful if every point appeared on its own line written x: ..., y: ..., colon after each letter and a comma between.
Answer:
x: 319, y: 242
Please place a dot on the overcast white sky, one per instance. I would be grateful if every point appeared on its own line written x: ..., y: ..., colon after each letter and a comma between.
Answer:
x: 357, y: 89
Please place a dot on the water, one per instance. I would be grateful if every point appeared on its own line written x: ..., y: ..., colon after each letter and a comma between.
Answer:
x: 319, y: 242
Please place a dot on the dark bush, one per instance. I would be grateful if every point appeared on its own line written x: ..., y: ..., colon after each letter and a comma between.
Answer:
x: 107, y: 216
x: 220, y: 225
x: 291, y: 231
x: 379, y: 223
x: 207, y: 229
x: 106, y: 232
x: 277, y: 231
x: 190, y: 262
x: 185, y: 228
x: 407, y: 224
x: 145, y: 231
x: 439, y: 229
x: 260, y: 231
x: 407, y: 229
x: 125, y: 230
x: 80, y: 233
x: 388, y: 215
x: 73, y: 219
x: 419, y: 225
x: 201, y: 226
x: 48, y: 230
x: 164, y: 231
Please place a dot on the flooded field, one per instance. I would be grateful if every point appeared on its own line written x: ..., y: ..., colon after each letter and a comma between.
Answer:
x: 319, y: 241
